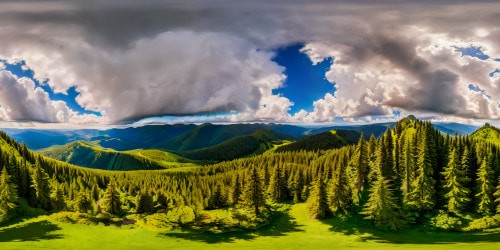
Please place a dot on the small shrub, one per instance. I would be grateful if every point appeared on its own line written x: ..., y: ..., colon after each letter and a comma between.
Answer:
x: 182, y: 215
x: 484, y: 223
x: 444, y: 221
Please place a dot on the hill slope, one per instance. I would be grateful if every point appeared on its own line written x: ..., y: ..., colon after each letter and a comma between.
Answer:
x: 487, y: 133
x: 91, y: 156
x: 237, y: 147
x: 326, y: 140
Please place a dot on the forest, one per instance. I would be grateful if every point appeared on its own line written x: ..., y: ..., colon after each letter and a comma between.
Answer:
x: 410, y: 176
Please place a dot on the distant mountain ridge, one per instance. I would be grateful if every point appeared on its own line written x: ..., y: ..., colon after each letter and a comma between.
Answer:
x: 190, y: 137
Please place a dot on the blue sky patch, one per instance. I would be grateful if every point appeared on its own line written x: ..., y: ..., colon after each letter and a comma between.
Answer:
x: 305, y: 82
x: 472, y: 51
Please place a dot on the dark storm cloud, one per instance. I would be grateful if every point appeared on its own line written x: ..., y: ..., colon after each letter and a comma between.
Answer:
x: 133, y: 59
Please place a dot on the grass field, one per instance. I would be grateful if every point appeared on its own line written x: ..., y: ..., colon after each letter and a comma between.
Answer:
x: 294, y: 230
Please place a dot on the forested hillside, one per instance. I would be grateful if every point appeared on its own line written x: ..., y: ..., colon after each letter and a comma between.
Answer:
x: 92, y: 156
x: 323, y: 141
x: 413, y: 175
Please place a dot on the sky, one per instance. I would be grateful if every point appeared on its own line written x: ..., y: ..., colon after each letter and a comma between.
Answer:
x: 74, y: 63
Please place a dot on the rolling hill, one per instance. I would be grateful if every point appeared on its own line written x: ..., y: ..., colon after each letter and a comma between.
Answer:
x: 241, y: 146
x: 91, y: 156
x: 487, y: 133
x: 326, y: 140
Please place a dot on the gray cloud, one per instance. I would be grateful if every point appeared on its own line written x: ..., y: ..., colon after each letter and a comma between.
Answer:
x: 131, y: 60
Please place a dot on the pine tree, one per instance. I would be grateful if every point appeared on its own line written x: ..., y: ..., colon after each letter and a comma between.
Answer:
x: 111, y: 201
x: 58, y: 200
x: 497, y: 197
x: 41, y: 187
x: 144, y: 202
x: 485, y: 188
x: 382, y: 206
x: 360, y: 169
x: 83, y: 203
x: 236, y: 190
x: 297, y: 186
x: 253, y: 193
x: 218, y: 199
x: 339, y: 196
x: 8, y: 196
x: 317, y: 202
x: 277, y: 186
x: 422, y: 195
x: 454, y: 184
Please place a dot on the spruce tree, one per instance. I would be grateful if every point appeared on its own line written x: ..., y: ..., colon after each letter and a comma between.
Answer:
x: 317, y: 202
x: 457, y: 194
x: 485, y: 188
x: 497, y: 197
x: 144, y: 202
x: 360, y: 169
x: 253, y: 193
x: 422, y: 195
x: 236, y: 190
x: 41, y: 187
x: 58, y: 200
x: 8, y: 196
x: 83, y: 203
x: 111, y: 201
x: 218, y: 199
x: 339, y: 196
x: 277, y: 186
x: 381, y: 206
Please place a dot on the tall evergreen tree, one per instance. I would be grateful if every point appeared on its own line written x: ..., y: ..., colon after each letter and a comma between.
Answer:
x: 360, y: 169
x: 422, y: 195
x: 339, y: 197
x: 317, y: 202
x: 111, y: 201
x: 83, y: 203
x: 253, y: 194
x: 485, y: 188
x: 8, y: 196
x: 277, y: 185
x: 218, y: 198
x: 382, y: 206
x: 58, y: 200
x: 455, y: 179
x: 236, y: 190
x: 144, y: 202
x: 497, y: 197
x: 41, y: 187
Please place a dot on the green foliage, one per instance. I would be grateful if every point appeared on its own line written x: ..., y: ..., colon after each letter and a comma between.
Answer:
x: 57, y: 199
x: 181, y: 215
x: 323, y: 141
x: 484, y: 223
x: 277, y: 186
x: 8, y: 196
x: 83, y: 203
x: 41, y: 188
x: 382, y: 207
x: 444, y: 221
x: 144, y: 202
x: 455, y: 180
x: 485, y: 188
x: 253, y: 194
x: 317, y: 202
x: 111, y: 202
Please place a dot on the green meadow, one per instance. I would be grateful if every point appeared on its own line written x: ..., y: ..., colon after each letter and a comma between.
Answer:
x: 292, y: 230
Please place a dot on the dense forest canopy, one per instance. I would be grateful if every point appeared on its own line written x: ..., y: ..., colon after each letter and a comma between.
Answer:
x: 398, y: 179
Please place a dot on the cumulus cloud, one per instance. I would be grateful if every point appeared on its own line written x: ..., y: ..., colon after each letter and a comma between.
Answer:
x: 21, y: 100
x: 129, y: 60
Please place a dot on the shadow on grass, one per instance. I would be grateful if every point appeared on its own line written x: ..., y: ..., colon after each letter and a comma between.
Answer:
x: 366, y: 232
x: 281, y: 225
x: 34, y: 231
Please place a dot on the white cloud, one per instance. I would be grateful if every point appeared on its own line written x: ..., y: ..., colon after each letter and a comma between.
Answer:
x: 21, y: 100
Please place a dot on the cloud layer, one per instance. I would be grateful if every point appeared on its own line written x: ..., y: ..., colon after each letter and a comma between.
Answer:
x: 130, y: 61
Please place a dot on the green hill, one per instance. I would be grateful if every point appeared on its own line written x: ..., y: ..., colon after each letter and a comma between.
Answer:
x: 327, y: 140
x: 487, y: 133
x: 237, y: 147
x: 92, y: 156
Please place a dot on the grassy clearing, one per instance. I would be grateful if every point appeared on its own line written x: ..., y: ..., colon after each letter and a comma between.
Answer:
x: 293, y: 230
